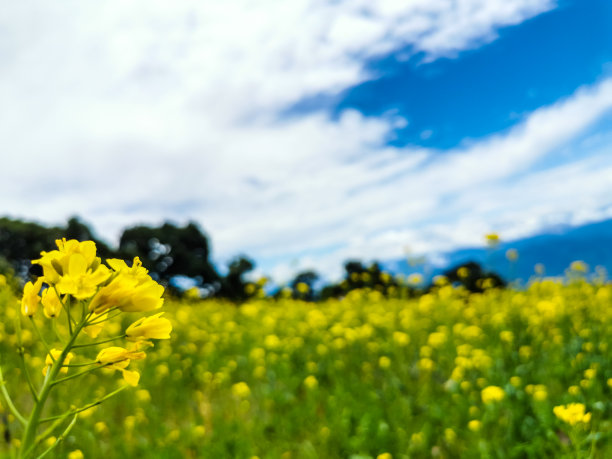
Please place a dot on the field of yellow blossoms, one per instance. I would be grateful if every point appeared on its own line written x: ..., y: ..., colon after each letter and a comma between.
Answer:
x: 507, y: 373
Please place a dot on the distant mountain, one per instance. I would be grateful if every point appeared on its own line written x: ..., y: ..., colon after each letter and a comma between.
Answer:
x: 555, y: 249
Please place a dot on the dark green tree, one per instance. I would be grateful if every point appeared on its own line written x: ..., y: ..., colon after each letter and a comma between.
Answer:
x: 233, y: 285
x: 303, y: 285
x: 169, y: 250
x: 473, y: 277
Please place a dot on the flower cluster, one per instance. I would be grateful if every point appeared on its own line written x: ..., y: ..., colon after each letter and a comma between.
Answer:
x: 72, y: 273
x: 90, y: 293
x: 573, y: 413
x: 492, y: 394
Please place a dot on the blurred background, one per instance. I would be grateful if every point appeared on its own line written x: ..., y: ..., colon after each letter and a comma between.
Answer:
x: 286, y: 138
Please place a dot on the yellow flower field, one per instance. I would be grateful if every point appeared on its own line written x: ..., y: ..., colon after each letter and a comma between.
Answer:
x: 506, y: 373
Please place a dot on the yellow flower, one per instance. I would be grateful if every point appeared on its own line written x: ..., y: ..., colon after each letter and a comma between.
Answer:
x: 401, y: 338
x: 512, y: 254
x: 384, y: 362
x: 30, y: 299
x: 492, y: 394
x: 426, y: 364
x: 590, y: 373
x: 492, y: 239
x: 311, y: 382
x: 241, y: 390
x: 415, y: 279
x: 474, y: 425
x: 76, y: 454
x: 540, y: 393
x: 131, y: 290
x: 506, y: 336
x: 118, y: 358
x: 56, y: 263
x: 572, y: 413
x: 573, y: 390
x: 154, y: 327
x: 74, y: 268
x: 52, y: 305
x: 52, y: 357
x: 579, y: 266
x: 436, y: 339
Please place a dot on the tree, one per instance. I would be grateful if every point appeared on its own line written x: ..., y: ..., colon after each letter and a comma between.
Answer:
x: 168, y: 251
x: 303, y: 285
x: 473, y: 277
x: 233, y: 285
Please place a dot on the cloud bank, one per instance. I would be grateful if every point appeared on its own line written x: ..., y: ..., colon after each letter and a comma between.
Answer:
x: 128, y: 112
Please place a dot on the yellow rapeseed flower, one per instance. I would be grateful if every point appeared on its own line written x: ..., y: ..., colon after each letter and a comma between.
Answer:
x: 311, y: 382
x: 474, y: 425
x: 512, y: 254
x: 573, y: 413
x: 573, y: 390
x: 30, y: 299
x: 492, y: 239
x: 241, y: 390
x: 154, y: 327
x: 384, y: 362
x: 401, y: 338
x: 130, y: 290
x: 55, y: 264
x: 426, y: 364
x: 76, y: 454
x: 506, y: 336
x: 74, y: 268
x: 52, y: 305
x: 492, y: 394
x: 118, y: 358
x: 436, y: 339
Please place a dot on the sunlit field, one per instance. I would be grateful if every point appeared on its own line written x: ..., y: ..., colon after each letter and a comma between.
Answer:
x: 445, y: 374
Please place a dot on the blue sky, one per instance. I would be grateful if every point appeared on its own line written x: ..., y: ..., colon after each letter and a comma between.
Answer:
x: 488, y: 89
x: 307, y: 133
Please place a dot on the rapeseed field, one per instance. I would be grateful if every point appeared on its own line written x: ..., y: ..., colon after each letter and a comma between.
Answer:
x: 517, y: 372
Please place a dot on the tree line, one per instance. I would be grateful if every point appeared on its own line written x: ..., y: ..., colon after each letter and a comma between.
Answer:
x: 171, y: 252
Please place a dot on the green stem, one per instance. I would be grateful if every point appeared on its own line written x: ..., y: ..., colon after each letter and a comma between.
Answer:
x: 32, y: 424
x: 100, y: 342
x: 9, y: 402
x: 27, y: 373
x: 21, y: 352
x: 66, y: 308
x: 57, y: 333
x: 88, y: 364
x: 59, y: 417
x: 69, y: 315
x: 60, y: 438
x: 99, y: 321
x: 36, y: 329
x: 49, y: 430
x: 76, y: 375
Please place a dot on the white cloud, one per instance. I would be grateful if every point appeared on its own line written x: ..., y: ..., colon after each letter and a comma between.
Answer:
x: 490, y: 186
x: 126, y: 112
